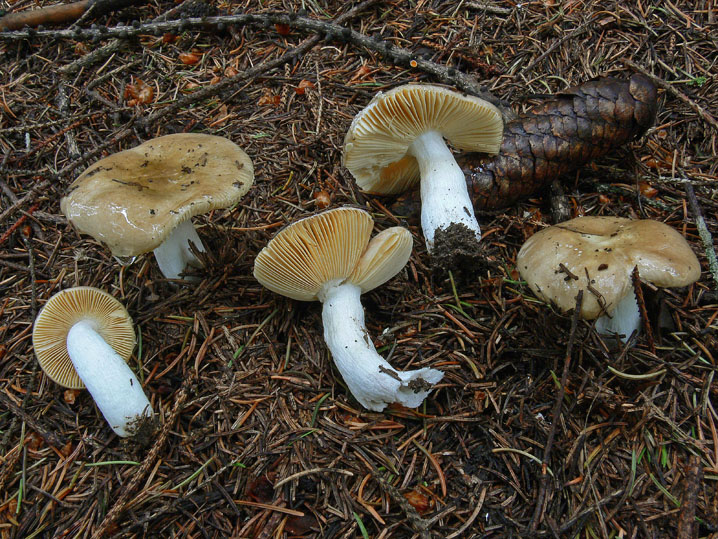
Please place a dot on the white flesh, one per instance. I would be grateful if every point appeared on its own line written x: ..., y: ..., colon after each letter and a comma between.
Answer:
x: 444, y: 196
x: 174, y: 255
x: 624, y: 319
x: 370, y: 378
x: 115, y: 388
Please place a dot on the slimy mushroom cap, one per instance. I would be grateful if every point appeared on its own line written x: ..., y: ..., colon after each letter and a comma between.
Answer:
x: 598, y: 254
x: 133, y: 200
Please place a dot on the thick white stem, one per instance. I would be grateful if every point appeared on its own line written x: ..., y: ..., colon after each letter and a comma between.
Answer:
x: 371, y: 379
x: 115, y: 388
x: 624, y: 319
x: 174, y: 255
x: 444, y: 196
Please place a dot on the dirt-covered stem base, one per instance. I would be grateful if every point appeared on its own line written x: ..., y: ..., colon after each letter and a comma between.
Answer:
x: 444, y: 196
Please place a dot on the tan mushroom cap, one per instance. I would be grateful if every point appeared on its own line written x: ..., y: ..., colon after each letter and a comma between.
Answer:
x: 132, y: 200
x: 64, y: 310
x: 332, y: 246
x: 602, y: 252
x: 376, y: 145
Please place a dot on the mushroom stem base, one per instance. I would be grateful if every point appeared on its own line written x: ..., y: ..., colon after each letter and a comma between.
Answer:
x: 115, y: 388
x: 174, y: 254
x: 444, y: 197
x: 371, y: 379
x: 623, y: 320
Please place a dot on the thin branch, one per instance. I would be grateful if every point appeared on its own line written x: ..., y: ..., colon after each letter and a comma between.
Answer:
x: 671, y: 88
x: 331, y: 31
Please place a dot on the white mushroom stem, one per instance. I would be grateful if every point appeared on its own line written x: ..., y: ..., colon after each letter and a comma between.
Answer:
x: 174, y: 254
x: 624, y: 319
x: 444, y: 196
x: 370, y: 378
x: 115, y: 388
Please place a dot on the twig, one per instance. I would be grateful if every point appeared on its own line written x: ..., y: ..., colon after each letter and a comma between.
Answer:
x: 636, y: 278
x: 99, y: 54
x: 710, y: 120
x: 211, y: 91
x: 129, y: 489
x: 61, y: 13
x: 489, y: 8
x: 703, y: 232
x: 331, y: 31
x: 33, y: 190
x: 215, y: 89
x: 52, y: 439
x: 48, y: 15
x: 541, y: 499
x: 692, y: 483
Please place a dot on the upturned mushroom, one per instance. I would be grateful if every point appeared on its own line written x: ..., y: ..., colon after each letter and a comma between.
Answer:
x: 398, y: 140
x: 143, y: 199
x: 83, y: 337
x: 329, y: 257
x: 598, y: 255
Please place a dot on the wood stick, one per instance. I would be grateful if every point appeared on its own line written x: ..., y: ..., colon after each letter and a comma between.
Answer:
x: 48, y: 15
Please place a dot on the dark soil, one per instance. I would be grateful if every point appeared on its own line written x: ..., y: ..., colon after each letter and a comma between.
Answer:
x: 457, y: 251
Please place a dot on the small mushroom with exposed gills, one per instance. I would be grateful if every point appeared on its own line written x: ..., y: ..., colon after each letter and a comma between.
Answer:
x: 83, y: 337
x: 143, y: 199
x: 398, y: 140
x: 329, y: 257
x: 597, y: 255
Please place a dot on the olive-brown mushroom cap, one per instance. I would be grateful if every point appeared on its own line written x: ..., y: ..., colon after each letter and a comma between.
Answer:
x: 602, y: 252
x: 376, y: 145
x: 64, y: 310
x: 132, y: 200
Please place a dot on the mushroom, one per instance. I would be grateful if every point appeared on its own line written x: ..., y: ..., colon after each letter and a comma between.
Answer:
x: 83, y: 337
x: 142, y: 199
x: 329, y: 257
x: 598, y: 254
x: 398, y: 139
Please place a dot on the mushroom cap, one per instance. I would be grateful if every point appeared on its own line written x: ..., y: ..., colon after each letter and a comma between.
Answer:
x: 602, y: 252
x: 386, y: 254
x: 132, y: 200
x: 376, y: 145
x: 331, y: 247
x: 64, y: 310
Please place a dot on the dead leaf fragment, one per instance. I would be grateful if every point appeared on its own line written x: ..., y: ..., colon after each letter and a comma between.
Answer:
x: 70, y: 395
x: 268, y: 98
x: 189, y: 58
x: 419, y: 501
x: 647, y: 190
x: 322, y: 199
x: 139, y: 93
x: 302, y: 87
